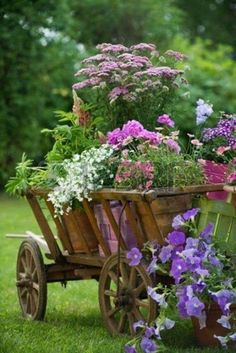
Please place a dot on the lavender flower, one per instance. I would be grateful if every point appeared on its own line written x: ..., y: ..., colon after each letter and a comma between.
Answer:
x: 138, y: 324
x: 223, y: 340
x: 224, y: 298
x: 207, y: 232
x: 135, y: 256
x: 159, y: 298
x: 176, y: 238
x: 130, y: 349
x: 177, y: 222
x: 203, y: 111
x: 194, y: 307
x: 178, y: 266
x: 152, y: 267
x: 165, y: 253
x: 148, y: 345
x: 165, y: 120
x: 190, y: 214
x: 224, y: 321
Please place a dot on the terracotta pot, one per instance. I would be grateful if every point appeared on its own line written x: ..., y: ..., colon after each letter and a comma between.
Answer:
x: 205, y: 336
x: 215, y: 173
x: 78, y: 227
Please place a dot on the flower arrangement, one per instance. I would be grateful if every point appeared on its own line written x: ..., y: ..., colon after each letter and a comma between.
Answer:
x: 201, y: 275
x: 131, y: 82
x: 218, y: 142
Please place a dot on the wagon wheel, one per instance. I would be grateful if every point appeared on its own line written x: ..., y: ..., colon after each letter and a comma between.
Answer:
x: 31, y: 280
x: 120, y: 311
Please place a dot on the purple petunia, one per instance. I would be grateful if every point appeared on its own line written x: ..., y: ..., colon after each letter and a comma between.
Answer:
x: 159, y: 298
x: 165, y: 253
x: 194, y: 307
x: 148, y: 345
x: 130, y: 349
x: 176, y: 238
x: 190, y: 214
x: 224, y: 298
x: 224, y: 321
x: 134, y: 256
x: 178, y: 266
x: 165, y: 120
x: 177, y: 222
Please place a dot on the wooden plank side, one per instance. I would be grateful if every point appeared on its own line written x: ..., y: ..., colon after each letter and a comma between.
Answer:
x: 62, y: 233
x: 141, y: 239
x: 45, y: 229
x: 113, y: 223
x: 95, y: 227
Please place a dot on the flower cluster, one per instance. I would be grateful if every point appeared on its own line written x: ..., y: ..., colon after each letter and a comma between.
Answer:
x: 131, y: 130
x: 85, y: 172
x: 134, y: 175
x: 225, y: 129
x: 203, y: 111
x: 135, y: 80
x: 202, y: 275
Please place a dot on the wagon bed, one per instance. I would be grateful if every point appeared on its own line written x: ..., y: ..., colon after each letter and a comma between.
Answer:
x: 122, y: 290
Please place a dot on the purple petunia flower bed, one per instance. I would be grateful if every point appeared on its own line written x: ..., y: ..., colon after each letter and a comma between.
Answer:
x: 201, y: 274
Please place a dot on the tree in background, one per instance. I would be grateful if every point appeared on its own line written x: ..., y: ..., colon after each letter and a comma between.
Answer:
x: 36, y: 73
x: 211, y: 19
x: 125, y: 21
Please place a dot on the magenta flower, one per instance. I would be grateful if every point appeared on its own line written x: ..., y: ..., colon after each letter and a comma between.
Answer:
x: 165, y: 120
x: 134, y: 256
x: 176, y: 238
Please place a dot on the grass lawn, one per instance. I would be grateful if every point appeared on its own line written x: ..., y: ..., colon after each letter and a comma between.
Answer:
x: 73, y: 322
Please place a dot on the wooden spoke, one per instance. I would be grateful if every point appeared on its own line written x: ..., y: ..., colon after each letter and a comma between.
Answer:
x: 113, y: 276
x: 31, y: 280
x: 122, y: 322
x: 120, y: 310
x: 131, y: 323
x: 139, y: 289
x: 124, y: 274
x: 23, y: 292
x: 138, y: 315
x: 23, y: 261
x: 113, y: 311
x: 132, y: 277
x: 36, y: 286
x: 110, y: 293
x: 141, y: 303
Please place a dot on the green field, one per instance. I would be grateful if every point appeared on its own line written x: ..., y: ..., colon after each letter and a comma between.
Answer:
x: 73, y: 322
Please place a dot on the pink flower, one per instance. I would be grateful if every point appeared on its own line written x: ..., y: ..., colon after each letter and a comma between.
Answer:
x: 222, y: 149
x: 196, y: 142
x: 165, y: 120
x: 231, y: 178
x: 173, y: 145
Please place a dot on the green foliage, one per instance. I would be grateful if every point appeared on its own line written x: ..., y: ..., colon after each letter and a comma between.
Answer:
x: 126, y: 22
x: 70, y: 138
x: 212, y: 77
x: 211, y: 19
x: 172, y: 169
x: 36, y: 71
x: 18, y: 184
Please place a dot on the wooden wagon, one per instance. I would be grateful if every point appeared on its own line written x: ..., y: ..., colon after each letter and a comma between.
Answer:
x: 83, y: 252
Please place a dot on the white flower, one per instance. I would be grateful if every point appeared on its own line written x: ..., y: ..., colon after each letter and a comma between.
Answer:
x: 85, y: 174
x: 203, y: 111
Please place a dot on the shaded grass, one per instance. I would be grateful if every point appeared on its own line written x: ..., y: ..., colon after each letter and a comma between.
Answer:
x: 73, y: 321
